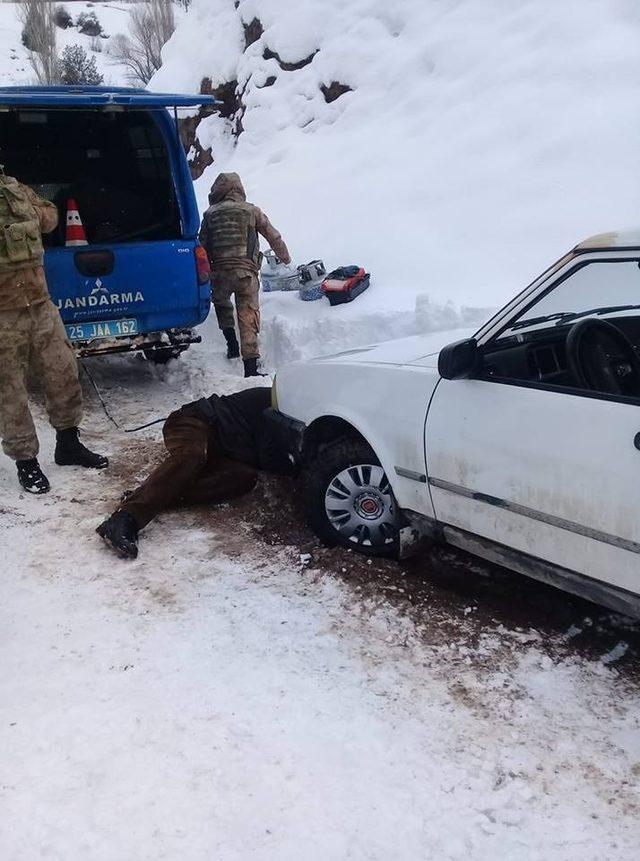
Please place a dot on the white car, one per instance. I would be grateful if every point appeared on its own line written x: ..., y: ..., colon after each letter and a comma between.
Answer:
x: 519, y: 443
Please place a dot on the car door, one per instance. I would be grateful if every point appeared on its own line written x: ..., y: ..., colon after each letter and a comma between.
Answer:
x: 527, y: 459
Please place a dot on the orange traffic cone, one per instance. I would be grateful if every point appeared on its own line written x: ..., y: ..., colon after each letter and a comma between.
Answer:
x: 75, y: 230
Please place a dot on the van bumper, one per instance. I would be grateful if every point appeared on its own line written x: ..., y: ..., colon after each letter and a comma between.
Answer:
x: 178, y: 340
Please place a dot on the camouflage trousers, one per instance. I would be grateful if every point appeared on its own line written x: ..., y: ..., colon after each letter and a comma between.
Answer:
x: 34, y: 339
x: 245, y: 287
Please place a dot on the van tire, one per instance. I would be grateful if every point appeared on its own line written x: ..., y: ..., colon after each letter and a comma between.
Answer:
x: 163, y: 355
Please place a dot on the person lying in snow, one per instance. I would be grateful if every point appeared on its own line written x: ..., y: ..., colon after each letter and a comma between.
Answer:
x: 216, y: 447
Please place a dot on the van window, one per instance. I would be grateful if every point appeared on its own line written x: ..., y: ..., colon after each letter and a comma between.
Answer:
x: 115, y: 165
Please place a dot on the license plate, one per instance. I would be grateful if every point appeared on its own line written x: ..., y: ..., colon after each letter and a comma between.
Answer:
x: 103, y: 329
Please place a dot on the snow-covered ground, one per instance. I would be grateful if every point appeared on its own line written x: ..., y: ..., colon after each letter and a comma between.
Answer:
x: 221, y: 697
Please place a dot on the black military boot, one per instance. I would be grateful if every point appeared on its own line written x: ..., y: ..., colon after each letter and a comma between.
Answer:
x: 71, y: 452
x: 233, y: 348
x: 120, y: 533
x: 31, y: 477
x: 251, y: 368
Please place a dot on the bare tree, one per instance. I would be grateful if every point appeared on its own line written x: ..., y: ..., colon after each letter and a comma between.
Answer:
x: 164, y: 22
x: 140, y: 52
x: 39, y: 37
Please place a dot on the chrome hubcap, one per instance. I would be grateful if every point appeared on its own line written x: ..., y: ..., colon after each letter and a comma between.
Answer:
x: 359, y: 504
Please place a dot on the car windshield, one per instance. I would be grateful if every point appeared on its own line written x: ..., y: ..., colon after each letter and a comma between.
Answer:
x: 593, y: 289
x: 561, y: 317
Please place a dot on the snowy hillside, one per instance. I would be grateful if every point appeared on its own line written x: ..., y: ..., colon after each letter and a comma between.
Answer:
x: 477, y: 143
x: 14, y: 57
x: 453, y: 148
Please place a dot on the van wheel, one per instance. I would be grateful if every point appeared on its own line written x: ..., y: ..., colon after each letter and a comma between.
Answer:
x: 350, y: 501
x: 163, y: 355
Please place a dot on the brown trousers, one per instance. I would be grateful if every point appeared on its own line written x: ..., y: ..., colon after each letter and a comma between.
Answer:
x: 196, y: 472
x: 35, y: 338
x: 244, y: 286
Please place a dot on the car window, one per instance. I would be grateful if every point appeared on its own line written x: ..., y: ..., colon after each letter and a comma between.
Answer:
x: 583, y: 334
x: 602, y: 288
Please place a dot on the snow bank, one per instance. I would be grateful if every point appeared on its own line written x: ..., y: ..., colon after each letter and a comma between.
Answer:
x: 479, y: 143
x: 298, y: 330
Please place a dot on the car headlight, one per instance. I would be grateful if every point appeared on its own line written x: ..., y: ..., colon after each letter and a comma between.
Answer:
x: 274, y: 393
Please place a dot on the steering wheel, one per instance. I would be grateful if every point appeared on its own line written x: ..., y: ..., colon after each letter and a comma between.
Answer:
x: 601, y: 358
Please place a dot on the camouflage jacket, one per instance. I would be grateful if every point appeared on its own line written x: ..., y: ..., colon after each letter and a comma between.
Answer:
x: 22, y: 282
x: 231, y: 225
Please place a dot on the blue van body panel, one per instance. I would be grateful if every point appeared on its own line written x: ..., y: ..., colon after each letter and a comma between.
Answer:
x: 154, y: 283
x: 159, y: 290
x: 96, y: 97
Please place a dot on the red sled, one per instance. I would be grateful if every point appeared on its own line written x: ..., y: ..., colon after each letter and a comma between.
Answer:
x: 345, y: 284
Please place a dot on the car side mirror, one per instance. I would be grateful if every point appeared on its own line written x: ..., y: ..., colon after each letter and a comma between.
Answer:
x: 459, y: 360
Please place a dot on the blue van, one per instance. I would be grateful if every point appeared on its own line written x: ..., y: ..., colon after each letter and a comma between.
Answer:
x: 142, y: 281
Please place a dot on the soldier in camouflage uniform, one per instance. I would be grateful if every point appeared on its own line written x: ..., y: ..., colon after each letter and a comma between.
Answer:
x: 229, y: 233
x: 32, y: 334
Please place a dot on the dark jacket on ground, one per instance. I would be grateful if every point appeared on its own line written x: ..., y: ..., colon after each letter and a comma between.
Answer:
x: 243, y: 429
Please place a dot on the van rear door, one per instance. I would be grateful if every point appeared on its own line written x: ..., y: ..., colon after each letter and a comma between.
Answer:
x: 118, y: 156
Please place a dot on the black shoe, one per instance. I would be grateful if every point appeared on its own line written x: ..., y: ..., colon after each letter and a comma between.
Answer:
x: 120, y: 533
x: 251, y: 368
x: 233, y: 348
x: 71, y: 452
x: 31, y: 477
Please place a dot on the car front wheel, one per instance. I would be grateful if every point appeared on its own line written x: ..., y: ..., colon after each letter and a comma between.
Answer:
x: 350, y: 501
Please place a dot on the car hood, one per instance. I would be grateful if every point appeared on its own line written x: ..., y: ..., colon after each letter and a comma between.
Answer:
x: 402, y: 351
